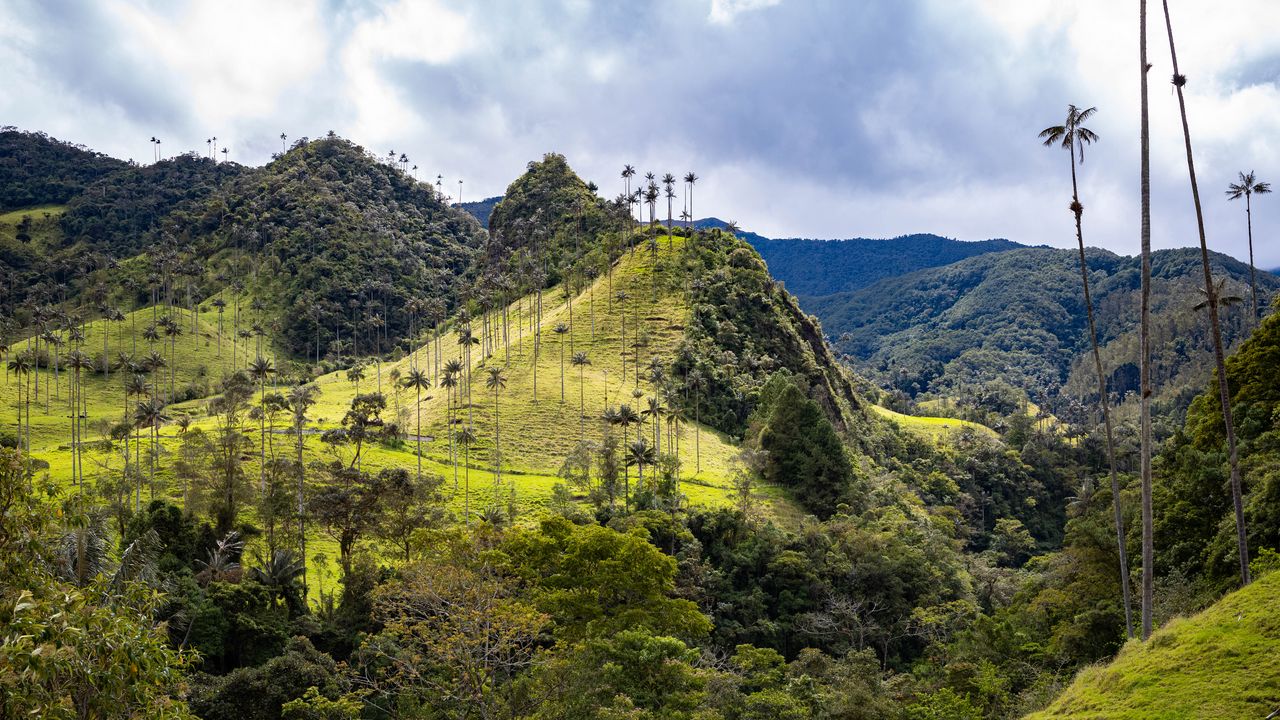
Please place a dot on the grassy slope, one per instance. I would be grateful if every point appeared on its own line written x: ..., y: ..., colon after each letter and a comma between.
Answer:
x: 536, y: 436
x: 1221, y: 663
x: 934, y: 428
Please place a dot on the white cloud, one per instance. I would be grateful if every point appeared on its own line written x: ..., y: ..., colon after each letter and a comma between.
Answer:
x: 724, y: 11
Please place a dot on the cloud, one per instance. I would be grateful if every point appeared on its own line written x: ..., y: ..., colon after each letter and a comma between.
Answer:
x: 819, y: 118
x: 724, y: 11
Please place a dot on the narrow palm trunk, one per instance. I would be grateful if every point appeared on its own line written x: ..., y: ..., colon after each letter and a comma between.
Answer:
x: 1253, y: 271
x: 1219, y: 355
x: 1148, y: 520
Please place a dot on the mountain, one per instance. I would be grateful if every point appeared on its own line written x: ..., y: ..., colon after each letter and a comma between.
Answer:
x: 481, y: 209
x: 1220, y: 663
x: 824, y: 267
x: 36, y: 169
x: 1017, y: 318
x: 330, y: 240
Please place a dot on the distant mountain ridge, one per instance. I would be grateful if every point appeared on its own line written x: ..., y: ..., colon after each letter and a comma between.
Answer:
x: 1018, y: 318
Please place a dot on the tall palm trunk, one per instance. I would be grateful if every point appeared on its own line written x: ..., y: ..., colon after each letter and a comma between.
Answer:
x: 1253, y: 271
x: 1148, y: 518
x: 1103, y: 403
x: 417, y: 408
x: 1211, y: 292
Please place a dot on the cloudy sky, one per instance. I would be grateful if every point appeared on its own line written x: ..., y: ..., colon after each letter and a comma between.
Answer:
x: 805, y: 118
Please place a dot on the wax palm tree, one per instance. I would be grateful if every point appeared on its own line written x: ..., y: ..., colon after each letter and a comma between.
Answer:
x: 653, y: 412
x: 626, y: 418
x: 150, y: 413
x: 496, y: 382
x: 1224, y: 301
x: 1144, y: 342
x: 690, y: 178
x: 449, y: 381
x: 561, y: 330
x: 669, y: 181
x: 221, y: 306
x: 467, y: 340
x: 640, y: 454
x: 1073, y: 136
x: 694, y: 382
x: 581, y: 361
x: 465, y: 437
x: 1249, y: 186
x: 1219, y: 352
x: 172, y: 330
x: 259, y: 370
x: 300, y: 399
x: 21, y: 365
x: 419, y: 381
x: 77, y: 363
x: 622, y: 298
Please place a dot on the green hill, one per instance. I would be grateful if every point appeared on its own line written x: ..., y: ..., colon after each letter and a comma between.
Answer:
x: 1221, y: 663
x: 824, y: 267
x: 1017, y: 318
x: 36, y: 169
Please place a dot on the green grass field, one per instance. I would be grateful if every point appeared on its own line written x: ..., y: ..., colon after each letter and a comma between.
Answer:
x: 536, y: 432
x: 940, y: 429
x: 1221, y: 663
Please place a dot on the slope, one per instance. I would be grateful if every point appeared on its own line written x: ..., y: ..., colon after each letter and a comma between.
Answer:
x: 36, y: 169
x: 1220, y: 663
x: 823, y: 267
x: 1017, y: 317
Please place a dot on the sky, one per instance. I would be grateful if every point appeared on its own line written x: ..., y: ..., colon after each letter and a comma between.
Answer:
x: 802, y: 118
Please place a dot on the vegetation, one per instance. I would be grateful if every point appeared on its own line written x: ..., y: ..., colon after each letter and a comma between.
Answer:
x: 1216, y: 664
x: 813, y: 268
x: 302, y: 441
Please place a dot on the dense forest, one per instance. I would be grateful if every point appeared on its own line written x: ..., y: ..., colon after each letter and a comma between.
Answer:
x: 826, y: 267
x: 1012, y: 323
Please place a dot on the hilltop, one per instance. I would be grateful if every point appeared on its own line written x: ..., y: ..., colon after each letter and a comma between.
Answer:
x: 36, y: 169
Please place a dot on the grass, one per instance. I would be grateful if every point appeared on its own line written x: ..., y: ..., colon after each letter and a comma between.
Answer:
x: 1221, y: 663
x: 939, y: 429
x: 537, y: 431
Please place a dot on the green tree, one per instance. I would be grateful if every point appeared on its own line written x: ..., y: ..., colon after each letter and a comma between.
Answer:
x: 561, y: 330
x: 805, y: 454
x: 1249, y: 186
x: 261, y: 369
x: 496, y: 382
x: 419, y: 381
x: 581, y: 361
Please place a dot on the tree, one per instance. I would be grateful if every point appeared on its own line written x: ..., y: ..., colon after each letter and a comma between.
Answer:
x: 1219, y: 353
x: 805, y: 454
x: 1249, y: 186
x: 690, y: 178
x: 150, y: 413
x: 581, y: 361
x: 640, y: 453
x: 1144, y: 341
x: 449, y: 381
x: 465, y: 437
x: 496, y: 382
x: 626, y: 417
x: 561, y: 329
x: 21, y: 365
x: 418, y: 380
x: 260, y: 369
x: 300, y: 399
x: 77, y: 362
x: 1073, y: 136
x: 694, y: 382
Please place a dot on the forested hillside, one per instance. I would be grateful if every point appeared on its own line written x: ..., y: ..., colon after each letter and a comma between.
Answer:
x: 36, y: 169
x: 1016, y: 319
x: 824, y: 267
